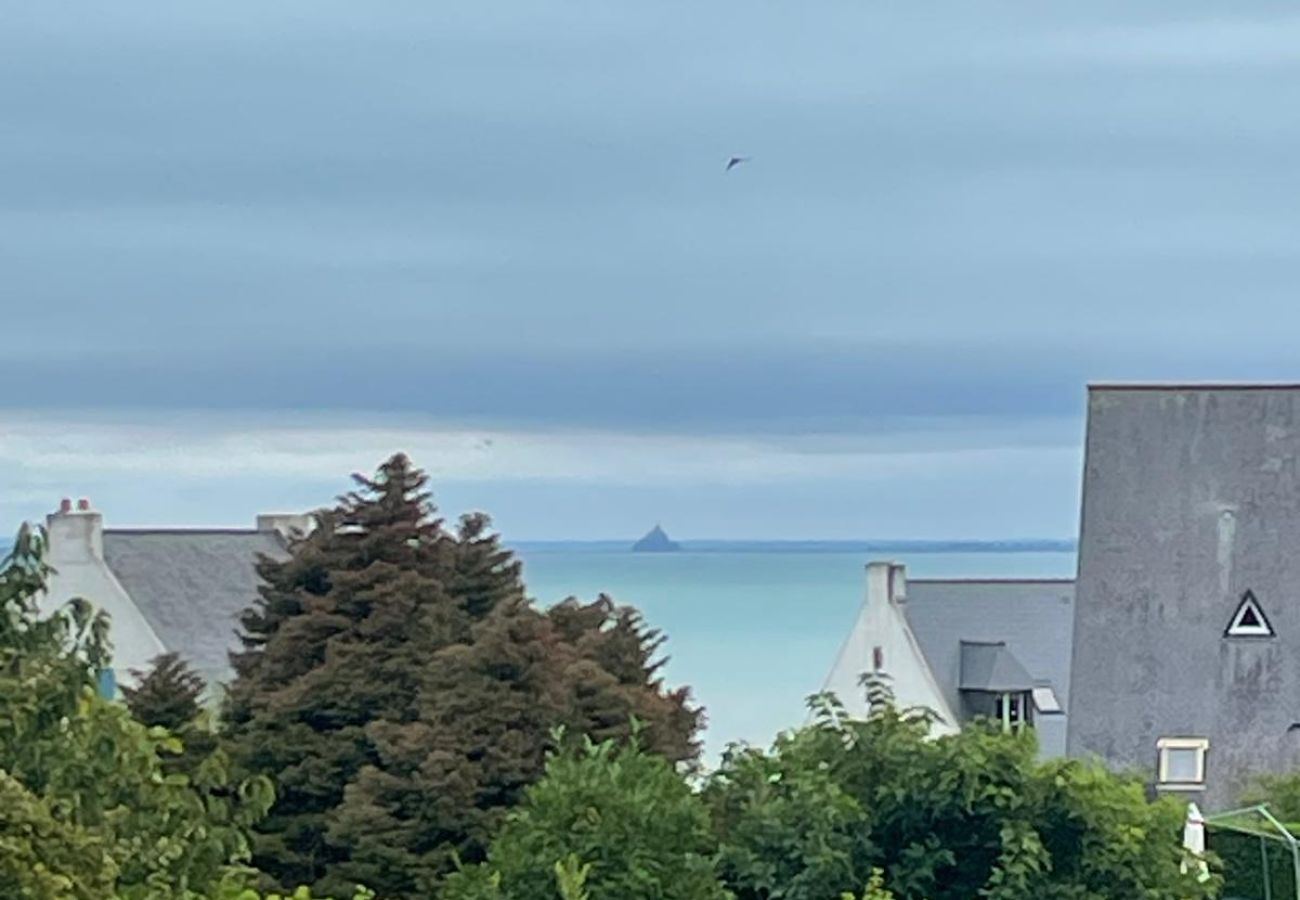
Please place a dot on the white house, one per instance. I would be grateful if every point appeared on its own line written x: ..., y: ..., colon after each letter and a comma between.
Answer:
x: 166, y: 589
x: 963, y: 648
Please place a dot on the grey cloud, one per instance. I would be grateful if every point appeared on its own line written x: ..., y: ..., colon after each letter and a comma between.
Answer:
x: 517, y: 212
x: 721, y: 389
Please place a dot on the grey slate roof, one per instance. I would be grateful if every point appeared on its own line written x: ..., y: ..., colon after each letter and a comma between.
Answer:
x: 992, y: 667
x: 191, y: 586
x: 1033, y: 619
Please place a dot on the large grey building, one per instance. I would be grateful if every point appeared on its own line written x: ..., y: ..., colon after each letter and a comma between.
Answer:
x: 1187, y: 617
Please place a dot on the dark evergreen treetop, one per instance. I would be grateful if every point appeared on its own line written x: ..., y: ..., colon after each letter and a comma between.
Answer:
x: 328, y: 649
x: 400, y: 689
x: 167, y: 694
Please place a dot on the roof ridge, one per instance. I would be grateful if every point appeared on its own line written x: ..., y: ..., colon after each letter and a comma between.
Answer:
x: 1194, y: 385
x: 194, y: 531
x: 991, y: 580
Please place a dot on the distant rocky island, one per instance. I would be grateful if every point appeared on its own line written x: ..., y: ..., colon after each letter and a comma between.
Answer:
x: 656, y: 541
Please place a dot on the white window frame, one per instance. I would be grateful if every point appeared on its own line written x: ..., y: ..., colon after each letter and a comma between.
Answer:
x: 1016, y: 702
x: 1199, y: 745
x: 1236, y: 628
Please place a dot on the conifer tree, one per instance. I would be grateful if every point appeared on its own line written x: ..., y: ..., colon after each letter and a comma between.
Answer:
x: 489, y: 710
x: 441, y: 783
x: 400, y: 689
x: 327, y: 652
x: 167, y: 694
x: 614, y: 677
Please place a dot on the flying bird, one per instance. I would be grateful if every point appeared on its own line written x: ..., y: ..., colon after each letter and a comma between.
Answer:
x: 735, y: 161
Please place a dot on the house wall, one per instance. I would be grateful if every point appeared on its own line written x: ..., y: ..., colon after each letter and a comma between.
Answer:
x: 1191, y: 498
x: 882, y: 624
x: 76, y: 552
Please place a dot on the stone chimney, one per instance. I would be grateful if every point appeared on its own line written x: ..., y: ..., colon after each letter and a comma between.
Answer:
x: 288, y: 525
x: 76, y: 535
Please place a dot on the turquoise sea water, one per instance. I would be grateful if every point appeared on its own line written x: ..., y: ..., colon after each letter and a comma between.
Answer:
x: 753, y: 633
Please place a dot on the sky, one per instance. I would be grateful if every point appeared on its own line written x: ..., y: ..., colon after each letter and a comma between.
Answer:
x: 249, y: 248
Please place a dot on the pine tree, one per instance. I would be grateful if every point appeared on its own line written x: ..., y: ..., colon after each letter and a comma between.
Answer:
x: 614, y: 677
x: 166, y: 695
x: 489, y: 716
x: 442, y: 782
x: 328, y: 651
x: 401, y: 690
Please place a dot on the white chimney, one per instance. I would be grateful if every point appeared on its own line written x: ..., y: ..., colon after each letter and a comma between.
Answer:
x: 886, y: 583
x: 75, y: 535
x: 288, y: 525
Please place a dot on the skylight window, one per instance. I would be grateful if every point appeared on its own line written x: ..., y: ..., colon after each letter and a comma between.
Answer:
x: 1249, y: 619
x: 1045, y: 700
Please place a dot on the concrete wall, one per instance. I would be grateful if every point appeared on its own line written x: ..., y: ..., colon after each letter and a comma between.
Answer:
x: 1191, y: 498
x: 76, y: 552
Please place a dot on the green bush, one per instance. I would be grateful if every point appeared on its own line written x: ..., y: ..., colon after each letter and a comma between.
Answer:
x: 604, y: 823
x: 968, y: 815
x: 89, y: 810
x: 302, y: 893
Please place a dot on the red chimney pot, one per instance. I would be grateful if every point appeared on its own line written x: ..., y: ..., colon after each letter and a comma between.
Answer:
x: 65, y: 505
x: 83, y: 504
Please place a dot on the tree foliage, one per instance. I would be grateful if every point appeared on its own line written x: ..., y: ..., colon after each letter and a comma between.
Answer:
x: 237, y: 892
x: 399, y: 688
x: 43, y: 857
x: 421, y: 717
x: 607, y: 822
x: 1255, y: 866
x: 166, y: 695
x: 968, y: 815
x: 88, y: 809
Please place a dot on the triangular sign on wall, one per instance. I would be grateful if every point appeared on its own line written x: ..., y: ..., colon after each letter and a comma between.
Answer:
x: 1249, y: 620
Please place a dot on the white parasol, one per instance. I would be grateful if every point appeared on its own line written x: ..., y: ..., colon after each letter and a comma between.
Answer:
x: 1194, y: 840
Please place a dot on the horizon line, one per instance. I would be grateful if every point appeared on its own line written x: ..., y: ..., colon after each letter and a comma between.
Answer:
x: 789, y: 540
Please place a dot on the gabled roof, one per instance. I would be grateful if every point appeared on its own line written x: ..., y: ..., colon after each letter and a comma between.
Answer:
x: 882, y: 642
x: 1032, y: 619
x: 192, y: 585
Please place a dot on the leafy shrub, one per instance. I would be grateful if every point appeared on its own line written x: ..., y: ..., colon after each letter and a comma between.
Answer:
x: 604, y: 823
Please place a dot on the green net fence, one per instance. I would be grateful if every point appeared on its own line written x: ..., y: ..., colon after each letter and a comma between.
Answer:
x: 1260, y: 855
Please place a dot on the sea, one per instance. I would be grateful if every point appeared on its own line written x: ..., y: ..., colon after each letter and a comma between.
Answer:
x: 752, y: 628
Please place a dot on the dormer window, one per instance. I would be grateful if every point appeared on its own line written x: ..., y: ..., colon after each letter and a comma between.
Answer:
x: 995, y: 686
x: 1013, y: 710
